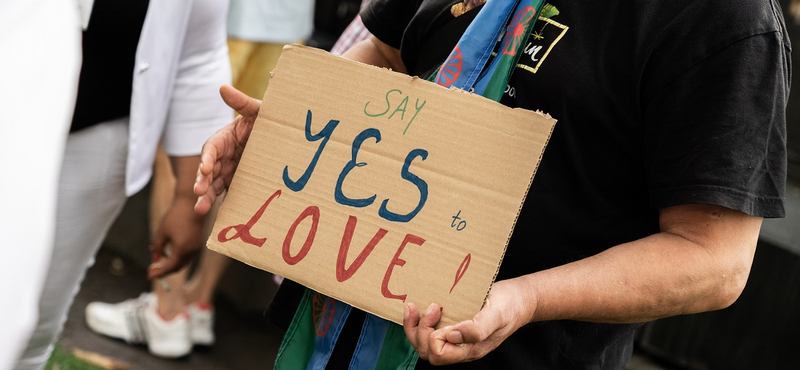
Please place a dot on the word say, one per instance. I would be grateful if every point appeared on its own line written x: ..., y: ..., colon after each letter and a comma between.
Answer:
x: 400, y: 107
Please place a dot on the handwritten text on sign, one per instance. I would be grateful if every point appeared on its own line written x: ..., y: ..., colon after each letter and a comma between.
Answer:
x: 379, y: 193
x: 312, y: 212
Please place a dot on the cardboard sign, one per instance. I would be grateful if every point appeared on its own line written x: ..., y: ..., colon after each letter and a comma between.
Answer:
x: 376, y: 188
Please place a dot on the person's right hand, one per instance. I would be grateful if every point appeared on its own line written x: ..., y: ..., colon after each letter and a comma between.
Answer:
x: 222, y: 151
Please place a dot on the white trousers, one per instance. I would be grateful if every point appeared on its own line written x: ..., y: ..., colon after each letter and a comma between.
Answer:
x: 91, y: 194
x: 40, y: 41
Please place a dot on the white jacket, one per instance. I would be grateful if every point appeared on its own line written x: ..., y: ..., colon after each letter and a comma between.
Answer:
x: 181, y: 61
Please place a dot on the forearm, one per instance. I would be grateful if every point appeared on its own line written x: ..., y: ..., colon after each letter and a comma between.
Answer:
x: 185, y: 171
x: 374, y: 52
x: 680, y: 270
x: 180, y: 231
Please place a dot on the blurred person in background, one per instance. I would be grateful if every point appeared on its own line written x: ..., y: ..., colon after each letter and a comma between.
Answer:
x: 257, y: 32
x: 41, y: 42
x: 150, y: 73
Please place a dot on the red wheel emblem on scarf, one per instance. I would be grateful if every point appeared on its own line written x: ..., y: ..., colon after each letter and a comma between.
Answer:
x: 451, y: 68
x: 322, y: 310
x: 516, y: 30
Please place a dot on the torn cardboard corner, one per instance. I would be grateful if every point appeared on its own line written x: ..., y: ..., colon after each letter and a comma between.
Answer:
x: 376, y: 188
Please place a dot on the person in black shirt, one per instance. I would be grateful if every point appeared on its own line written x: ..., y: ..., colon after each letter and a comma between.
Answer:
x: 668, y: 152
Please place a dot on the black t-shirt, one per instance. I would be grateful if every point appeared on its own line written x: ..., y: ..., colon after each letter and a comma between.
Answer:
x: 109, y: 54
x: 659, y: 103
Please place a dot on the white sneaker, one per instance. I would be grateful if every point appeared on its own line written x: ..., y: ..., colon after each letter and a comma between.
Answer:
x: 137, y: 321
x: 201, y: 323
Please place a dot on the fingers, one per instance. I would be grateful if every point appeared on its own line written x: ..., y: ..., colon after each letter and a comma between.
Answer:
x: 209, y: 182
x: 166, y: 265
x: 444, y: 352
x: 410, y: 322
x: 203, y: 204
x: 471, y: 331
x: 205, y: 197
x: 418, y: 329
x: 210, y: 154
x: 219, y: 156
x: 158, y: 248
x: 239, y: 101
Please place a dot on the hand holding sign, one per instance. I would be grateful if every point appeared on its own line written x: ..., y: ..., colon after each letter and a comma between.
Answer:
x: 222, y: 152
x: 502, y: 315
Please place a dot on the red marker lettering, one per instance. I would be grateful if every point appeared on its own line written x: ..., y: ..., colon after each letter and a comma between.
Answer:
x: 462, y: 269
x: 343, y: 273
x: 243, y: 231
x: 396, y: 261
x: 312, y: 211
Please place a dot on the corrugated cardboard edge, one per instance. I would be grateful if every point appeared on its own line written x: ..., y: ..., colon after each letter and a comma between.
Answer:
x: 522, y: 203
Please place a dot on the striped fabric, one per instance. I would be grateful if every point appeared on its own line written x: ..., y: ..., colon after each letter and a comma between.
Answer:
x: 383, y: 345
x: 353, y: 34
x: 315, y: 328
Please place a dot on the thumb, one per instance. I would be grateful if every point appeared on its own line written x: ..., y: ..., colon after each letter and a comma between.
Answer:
x: 239, y: 101
x: 158, y: 246
x: 171, y: 263
x: 160, y: 251
x: 473, y: 331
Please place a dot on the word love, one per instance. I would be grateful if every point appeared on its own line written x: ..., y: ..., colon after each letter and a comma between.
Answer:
x: 371, y: 133
x: 343, y: 272
x: 400, y: 107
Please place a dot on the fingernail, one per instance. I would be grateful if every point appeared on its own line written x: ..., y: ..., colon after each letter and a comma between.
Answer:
x: 455, y: 336
x: 155, y: 257
x: 406, y: 312
x: 430, y: 309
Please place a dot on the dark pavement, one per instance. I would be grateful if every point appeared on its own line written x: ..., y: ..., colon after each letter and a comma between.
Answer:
x: 245, y: 340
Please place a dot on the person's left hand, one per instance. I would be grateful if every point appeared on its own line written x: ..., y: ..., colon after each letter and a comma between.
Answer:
x: 503, y: 313
x: 178, y: 238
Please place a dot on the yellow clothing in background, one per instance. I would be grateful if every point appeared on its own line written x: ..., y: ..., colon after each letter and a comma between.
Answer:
x: 251, y: 64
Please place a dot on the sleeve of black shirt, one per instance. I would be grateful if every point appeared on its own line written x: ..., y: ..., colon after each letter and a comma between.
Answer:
x: 716, y: 133
x: 387, y: 19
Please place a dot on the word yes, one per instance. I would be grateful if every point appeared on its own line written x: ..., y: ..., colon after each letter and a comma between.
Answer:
x: 325, y: 135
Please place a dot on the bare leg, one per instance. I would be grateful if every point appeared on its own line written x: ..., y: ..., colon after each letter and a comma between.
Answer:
x: 175, y: 293
x: 251, y: 65
x: 170, y: 302
x: 212, y: 265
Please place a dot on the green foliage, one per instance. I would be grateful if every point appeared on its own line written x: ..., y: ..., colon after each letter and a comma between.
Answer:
x: 64, y: 360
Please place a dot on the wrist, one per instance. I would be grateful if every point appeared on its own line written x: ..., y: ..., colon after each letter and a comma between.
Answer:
x: 527, y: 300
x: 185, y: 203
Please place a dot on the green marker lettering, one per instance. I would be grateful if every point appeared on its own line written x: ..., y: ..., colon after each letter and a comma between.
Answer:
x: 419, y: 108
x: 388, y: 105
x: 400, y: 108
